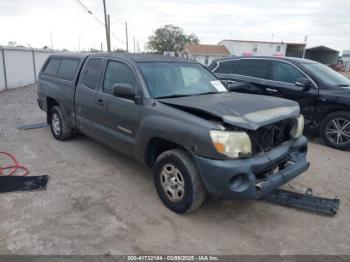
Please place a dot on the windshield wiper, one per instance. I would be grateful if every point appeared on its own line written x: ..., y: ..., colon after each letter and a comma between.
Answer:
x: 172, y: 96
x: 343, y: 85
x: 207, y: 93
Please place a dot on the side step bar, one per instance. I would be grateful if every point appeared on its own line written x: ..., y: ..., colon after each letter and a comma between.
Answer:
x: 306, y: 201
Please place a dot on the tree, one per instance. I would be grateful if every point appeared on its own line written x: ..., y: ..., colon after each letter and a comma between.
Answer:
x: 170, y: 38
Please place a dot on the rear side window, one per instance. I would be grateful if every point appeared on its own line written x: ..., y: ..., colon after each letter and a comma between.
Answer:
x: 91, y: 72
x: 64, y: 68
x: 227, y: 67
x: 117, y: 72
x: 254, y: 68
x: 52, y: 66
x: 68, y: 68
x: 283, y: 72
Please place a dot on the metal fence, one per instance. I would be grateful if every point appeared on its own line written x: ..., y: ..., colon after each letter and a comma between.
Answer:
x: 20, y: 66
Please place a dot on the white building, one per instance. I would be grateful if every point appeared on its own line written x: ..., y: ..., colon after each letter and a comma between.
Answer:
x: 204, y: 54
x: 261, y: 48
x: 346, y: 59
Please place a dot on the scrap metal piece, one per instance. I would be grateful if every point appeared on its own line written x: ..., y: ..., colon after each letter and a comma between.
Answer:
x: 33, y: 126
x: 306, y: 201
x: 23, y: 183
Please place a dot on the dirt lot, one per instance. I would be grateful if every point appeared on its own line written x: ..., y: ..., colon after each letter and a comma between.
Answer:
x: 100, y: 202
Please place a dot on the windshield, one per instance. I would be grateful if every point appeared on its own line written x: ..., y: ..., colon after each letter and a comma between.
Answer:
x: 327, y: 75
x: 171, y: 79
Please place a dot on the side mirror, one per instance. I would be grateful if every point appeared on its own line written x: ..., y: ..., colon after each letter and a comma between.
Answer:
x: 237, y: 86
x: 124, y: 90
x: 304, y: 83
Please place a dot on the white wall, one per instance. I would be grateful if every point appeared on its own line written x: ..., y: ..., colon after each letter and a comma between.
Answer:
x: 346, y: 63
x: 2, y: 76
x: 201, y: 58
x: 19, y: 66
x: 40, y: 58
x: 262, y: 49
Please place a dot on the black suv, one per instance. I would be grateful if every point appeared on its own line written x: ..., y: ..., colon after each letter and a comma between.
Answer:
x: 322, y: 93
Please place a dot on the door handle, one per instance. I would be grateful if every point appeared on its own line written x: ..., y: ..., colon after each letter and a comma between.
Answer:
x: 271, y: 90
x: 100, y: 102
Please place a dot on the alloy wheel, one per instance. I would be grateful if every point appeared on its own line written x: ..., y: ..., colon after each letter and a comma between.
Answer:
x: 338, y: 131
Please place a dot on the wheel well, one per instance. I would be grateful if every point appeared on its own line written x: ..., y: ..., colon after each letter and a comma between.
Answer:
x: 156, y: 147
x: 332, y: 111
x: 50, y: 103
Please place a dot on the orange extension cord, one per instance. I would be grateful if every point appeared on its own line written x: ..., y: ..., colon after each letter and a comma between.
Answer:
x: 14, y: 167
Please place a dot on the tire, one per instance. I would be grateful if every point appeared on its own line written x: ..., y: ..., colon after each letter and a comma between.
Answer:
x: 193, y: 194
x: 335, y: 130
x: 58, y: 126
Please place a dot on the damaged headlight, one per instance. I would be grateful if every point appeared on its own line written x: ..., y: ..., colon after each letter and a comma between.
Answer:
x: 298, y: 128
x: 232, y: 144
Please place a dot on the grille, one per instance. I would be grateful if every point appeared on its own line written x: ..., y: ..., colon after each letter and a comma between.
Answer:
x: 267, y: 137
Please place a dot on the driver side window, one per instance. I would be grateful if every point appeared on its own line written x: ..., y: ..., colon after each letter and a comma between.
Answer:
x: 116, y: 73
x: 283, y: 72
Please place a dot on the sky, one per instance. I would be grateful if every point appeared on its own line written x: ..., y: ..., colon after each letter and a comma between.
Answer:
x: 36, y: 22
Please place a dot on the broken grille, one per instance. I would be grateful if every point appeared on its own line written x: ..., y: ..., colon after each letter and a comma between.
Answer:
x: 267, y: 137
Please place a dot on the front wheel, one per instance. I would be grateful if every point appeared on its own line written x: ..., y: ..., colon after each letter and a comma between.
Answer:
x: 335, y: 130
x: 177, y: 181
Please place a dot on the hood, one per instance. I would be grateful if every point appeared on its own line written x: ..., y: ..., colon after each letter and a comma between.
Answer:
x: 241, y: 110
x: 344, y: 88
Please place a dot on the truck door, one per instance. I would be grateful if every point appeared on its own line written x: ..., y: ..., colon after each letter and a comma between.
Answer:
x: 85, y: 96
x: 117, y: 119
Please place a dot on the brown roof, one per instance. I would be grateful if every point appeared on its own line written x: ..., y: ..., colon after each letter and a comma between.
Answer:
x: 262, y: 42
x: 206, y: 49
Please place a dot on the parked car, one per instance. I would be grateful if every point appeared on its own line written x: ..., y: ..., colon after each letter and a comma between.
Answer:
x: 322, y: 93
x: 175, y: 116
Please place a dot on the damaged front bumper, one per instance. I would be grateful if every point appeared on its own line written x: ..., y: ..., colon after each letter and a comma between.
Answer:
x: 254, y: 177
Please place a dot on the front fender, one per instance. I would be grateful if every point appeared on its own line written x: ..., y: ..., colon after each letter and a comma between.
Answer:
x: 164, y: 128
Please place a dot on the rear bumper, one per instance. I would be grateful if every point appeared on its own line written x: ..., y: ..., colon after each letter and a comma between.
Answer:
x: 42, y: 103
x: 237, y: 179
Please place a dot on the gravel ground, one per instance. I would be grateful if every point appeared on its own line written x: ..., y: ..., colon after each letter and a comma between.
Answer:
x: 17, y: 107
x: 100, y: 202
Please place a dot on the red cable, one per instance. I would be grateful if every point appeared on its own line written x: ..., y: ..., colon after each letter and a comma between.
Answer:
x: 15, y: 166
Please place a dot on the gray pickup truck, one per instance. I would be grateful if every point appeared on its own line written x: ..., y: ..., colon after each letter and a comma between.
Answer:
x: 175, y: 116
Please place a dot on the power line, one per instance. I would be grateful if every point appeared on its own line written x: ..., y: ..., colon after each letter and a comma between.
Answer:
x: 97, y: 19
x: 89, y: 11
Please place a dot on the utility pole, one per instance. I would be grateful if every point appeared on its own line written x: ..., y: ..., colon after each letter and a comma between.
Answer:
x: 51, y: 40
x: 109, y: 32
x: 33, y: 57
x: 127, y: 37
x: 106, y: 27
x: 134, y: 44
x: 305, y: 41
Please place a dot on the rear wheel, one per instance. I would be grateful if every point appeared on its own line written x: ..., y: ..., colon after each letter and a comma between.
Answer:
x: 59, y: 128
x: 177, y: 181
x: 335, y: 130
